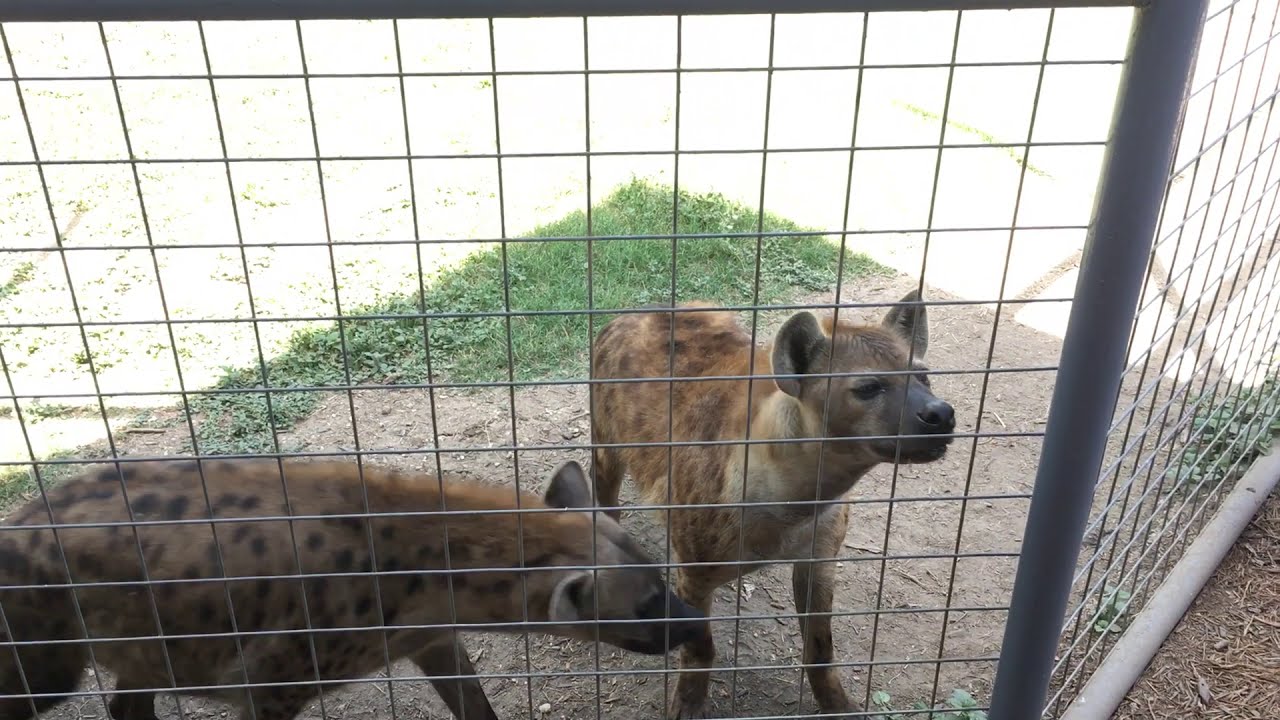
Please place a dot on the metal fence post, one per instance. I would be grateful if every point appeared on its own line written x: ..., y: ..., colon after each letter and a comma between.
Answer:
x: 1126, y: 210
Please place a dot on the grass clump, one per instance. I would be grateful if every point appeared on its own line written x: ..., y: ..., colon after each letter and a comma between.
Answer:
x: 21, y: 274
x: 18, y: 483
x: 551, y: 275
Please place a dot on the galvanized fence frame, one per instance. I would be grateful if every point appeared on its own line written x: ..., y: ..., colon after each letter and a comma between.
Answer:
x: 1121, y: 253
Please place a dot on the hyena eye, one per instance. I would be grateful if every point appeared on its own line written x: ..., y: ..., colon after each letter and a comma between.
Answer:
x: 868, y: 389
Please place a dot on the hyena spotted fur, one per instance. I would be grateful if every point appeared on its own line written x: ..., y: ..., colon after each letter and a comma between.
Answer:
x: 381, y: 610
x: 712, y: 343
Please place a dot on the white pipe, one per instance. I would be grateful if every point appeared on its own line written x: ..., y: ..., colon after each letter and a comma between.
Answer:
x: 1129, y: 658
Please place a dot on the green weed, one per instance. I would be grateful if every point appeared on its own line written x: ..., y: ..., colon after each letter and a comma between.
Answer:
x: 1226, y: 435
x: 1111, y: 613
x: 960, y: 705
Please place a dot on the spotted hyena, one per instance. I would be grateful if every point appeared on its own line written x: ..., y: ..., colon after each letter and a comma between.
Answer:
x: 293, y: 582
x: 881, y: 407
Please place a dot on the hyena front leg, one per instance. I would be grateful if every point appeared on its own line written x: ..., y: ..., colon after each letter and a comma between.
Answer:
x: 131, y: 705
x: 689, y: 700
x: 606, y: 474
x: 813, y: 584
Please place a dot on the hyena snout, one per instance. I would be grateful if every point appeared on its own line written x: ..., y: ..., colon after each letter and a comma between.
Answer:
x: 926, y: 427
x: 937, y: 416
x: 671, y: 629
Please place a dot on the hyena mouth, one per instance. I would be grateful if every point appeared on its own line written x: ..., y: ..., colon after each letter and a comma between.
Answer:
x: 915, y: 450
x: 934, y: 451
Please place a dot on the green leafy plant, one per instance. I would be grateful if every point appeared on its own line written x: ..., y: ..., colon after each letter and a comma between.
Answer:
x: 1227, y: 433
x: 960, y: 705
x: 1111, y: 612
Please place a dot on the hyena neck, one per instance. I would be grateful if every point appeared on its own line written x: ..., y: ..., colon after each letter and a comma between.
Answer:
x: 840, y: 473
x: 790, y: 467
x: 485, y: 560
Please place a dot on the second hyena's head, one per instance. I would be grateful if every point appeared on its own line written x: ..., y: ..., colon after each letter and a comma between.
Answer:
x: 889, y: 396
x: 616, y: 594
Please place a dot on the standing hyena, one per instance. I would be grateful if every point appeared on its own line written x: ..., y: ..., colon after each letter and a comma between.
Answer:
x: 290, y: 578
x: 709, y: 344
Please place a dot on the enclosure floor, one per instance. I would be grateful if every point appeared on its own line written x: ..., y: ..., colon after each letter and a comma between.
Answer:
x: 1229, y: 641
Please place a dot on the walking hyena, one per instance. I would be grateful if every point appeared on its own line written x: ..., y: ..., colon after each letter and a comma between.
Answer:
x: 274, y: 596
x: 709, y: 344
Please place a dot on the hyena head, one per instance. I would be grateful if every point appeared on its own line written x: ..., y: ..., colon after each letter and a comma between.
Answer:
x: 870, y: 405
x: 638, y: 612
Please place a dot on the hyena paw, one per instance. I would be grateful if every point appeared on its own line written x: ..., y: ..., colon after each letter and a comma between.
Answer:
x: 687, y: 703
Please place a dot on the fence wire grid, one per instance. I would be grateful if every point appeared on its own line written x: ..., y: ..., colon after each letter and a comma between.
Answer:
x: 395, y: 241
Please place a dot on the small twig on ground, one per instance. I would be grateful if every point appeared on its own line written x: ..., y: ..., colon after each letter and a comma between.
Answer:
x: 907, y: 576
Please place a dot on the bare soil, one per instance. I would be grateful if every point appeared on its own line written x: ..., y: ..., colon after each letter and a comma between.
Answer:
x: 901, y: 629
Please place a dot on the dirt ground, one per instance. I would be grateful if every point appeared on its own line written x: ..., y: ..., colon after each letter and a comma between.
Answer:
x: 900, y: 629
x: 1223, y: 658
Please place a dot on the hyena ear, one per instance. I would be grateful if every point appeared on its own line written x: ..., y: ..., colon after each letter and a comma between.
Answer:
x: 568, y: 487
x: 797, y: 345
x: 572, y: 600
x: 910, y: 322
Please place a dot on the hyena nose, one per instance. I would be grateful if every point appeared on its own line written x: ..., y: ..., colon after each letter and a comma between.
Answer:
x: 686, y: 623
x: 938, y: 414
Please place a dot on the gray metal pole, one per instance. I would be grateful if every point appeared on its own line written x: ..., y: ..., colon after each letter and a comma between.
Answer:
x: 1139, y: 156
x: 105, y: 10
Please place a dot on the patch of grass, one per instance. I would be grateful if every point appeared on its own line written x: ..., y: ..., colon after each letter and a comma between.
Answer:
x: 21, y: 274
x: 37, y: 411
x: 625, y: 273
x: 18, y: 483
x: 540, y: 276
x: 255, y: 194
x: 982, y: 135
x: 960, y: 705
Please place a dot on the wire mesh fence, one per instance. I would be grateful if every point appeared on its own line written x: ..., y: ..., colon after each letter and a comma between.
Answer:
x: 1199, y: 395
x: 399, y: 243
